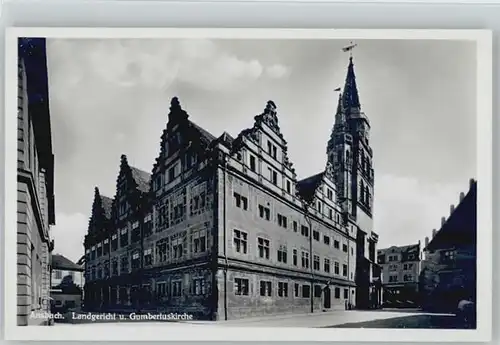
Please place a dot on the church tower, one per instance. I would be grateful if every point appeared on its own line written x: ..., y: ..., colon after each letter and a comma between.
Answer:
x: 350, y: 154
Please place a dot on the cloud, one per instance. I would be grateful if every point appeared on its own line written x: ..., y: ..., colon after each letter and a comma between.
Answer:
x: 277, y: 71
x: 155, y: 63
x: 68, y: 234
x: 406, y: 209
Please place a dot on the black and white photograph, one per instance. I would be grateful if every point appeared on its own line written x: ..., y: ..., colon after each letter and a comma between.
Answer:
x: 243, y: 181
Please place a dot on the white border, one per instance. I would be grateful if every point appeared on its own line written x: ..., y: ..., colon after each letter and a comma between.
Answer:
x: 148, y: 332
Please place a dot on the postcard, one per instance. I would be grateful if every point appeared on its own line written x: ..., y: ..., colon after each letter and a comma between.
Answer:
x: 248, y: 184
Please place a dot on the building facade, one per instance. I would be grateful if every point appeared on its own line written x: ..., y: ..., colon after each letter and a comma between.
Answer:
x: 400, y: 274
x: 67, y: 281
x: 449, y: 266
x: 224, y: 229
x: 35, y: 183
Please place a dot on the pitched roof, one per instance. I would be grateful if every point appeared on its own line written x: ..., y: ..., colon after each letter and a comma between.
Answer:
x: 307, y: 187
x: 142, y: 179
x: 60, y: 262
x: 107, y: 204
x: 206, y: 136
x: 402, y: 249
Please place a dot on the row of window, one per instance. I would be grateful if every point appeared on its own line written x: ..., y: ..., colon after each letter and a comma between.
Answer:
x: 240, y: 241
x: 265, y: 288
x: 395, y: 267
x: 174, y: 247
x: 406, y: 278
x: 241, y: 202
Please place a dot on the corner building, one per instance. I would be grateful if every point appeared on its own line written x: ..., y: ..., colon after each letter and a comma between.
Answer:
x: 226, y: 230
x: 35, y: 183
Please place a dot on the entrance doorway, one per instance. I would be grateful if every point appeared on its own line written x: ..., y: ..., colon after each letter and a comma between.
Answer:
x: 327, y: 298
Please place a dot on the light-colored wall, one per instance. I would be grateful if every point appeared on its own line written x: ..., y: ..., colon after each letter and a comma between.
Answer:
x: 32, y: 219
x: 76, y: 276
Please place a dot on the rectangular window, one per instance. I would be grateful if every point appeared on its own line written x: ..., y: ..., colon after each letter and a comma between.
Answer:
x: 330, y: 194
x: 241, y: 286
x: 305, y: 259
x: 336, y: 244
x: 58, y: 274
x: 282, y: 221
x: 316, y: 263
x: 316, y: 235
x: 124, y: 265
x: 274, y: 179
x: 337, y: 292
x: 241, y: 201
x: 304, y: 230
x: 114, y: 267
x: 296, y: 289
x: 344, y: 248
x: 240, y: 239
x: 148, y: 257
x: 317, y: 291
x: 295, y: 226
x: 263, y: 247
x: 282, y: 289
x: 177, y: 288
x: 393, y: 279
x: 124, y: 238
x: 344, y: 270
x: 288, y: 186
x: 275, y: 151
x: 282, y: 254
x: 295, y: 257
x: 265, y: 288
x: 136, y: 260
x: 330, y: 213
x: 326, y: 239
x: 253, y: 165
x: 346, y: 293
x: 264, y: 212
x: 171, y: 174
x: 327, y: 265
x: 306, y: 291
x: 336, y: 268
x: 198, y: 286
x: 319, y: 206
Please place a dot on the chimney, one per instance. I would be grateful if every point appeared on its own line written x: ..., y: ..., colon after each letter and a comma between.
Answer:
x: 434, y: 232
x: 427, y: 241
x: 452, y: 208
x: 462, y: 196
x: 471, y: 182
x: 443, y: 220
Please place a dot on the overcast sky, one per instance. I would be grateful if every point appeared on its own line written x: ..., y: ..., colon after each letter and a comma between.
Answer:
x: 109, y: 97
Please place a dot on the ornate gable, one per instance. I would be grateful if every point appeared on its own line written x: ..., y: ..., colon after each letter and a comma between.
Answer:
x: 132, y: 187
x: 268, y: 118
x: 181, y: 134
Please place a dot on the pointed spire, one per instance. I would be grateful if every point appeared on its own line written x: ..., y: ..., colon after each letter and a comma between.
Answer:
x: 339, y: 115
x: 350, y: 98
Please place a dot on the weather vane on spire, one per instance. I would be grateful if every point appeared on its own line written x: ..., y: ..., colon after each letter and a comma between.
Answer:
x: 349, y: 48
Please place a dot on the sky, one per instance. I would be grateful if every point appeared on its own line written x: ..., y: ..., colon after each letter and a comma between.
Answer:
x: 110, y: 97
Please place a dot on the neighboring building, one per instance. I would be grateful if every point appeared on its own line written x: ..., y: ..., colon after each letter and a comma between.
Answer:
x: 449, y: 268
x: 67, y: 283
x: 400, y: 272
x: 223, y: 229
x: 35, y: 183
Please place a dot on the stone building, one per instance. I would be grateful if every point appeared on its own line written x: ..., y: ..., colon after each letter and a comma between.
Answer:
x: 35, y: 183
x: 224, y: 229
x: 66, y: 284
x: 400, y: 274
x: 449, y: 267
